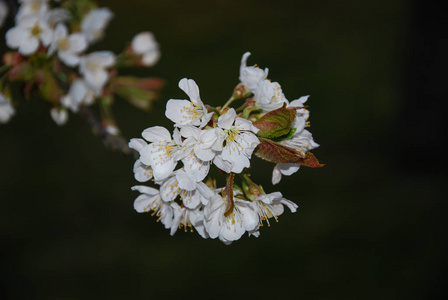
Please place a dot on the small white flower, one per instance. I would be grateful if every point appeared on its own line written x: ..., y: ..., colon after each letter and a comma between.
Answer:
x: 184, y: 112
x: 3, y: 12
x: 78, y: 94
x: 188, y: 218
x: 93, y: 66
x: 69, y: 47
x: 145, y: 44
x: 193, y: 165
x: 239, y: 142
x: 269, y: 96
x: 251, y: 76
x: 271, y: 206
x: 149, y: 200
x: 191, y: 193
x: 59, y: 115
x: 6, y: 109
x: 94, y: 23
x: 229, y: 227
x: 162, y: 154
x: 27, y: 34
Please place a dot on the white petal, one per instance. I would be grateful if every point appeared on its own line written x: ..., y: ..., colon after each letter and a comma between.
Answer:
x: 29, y: 46
x: 137, y: 144
x: 276, y: 174
x: 190, y: 88
x: 190, y: 132
x: 69, y: 58
x: 226, y: 120
x: 226, y: 166
x: 145, y: 189
x: 185, y: 181
x: 288, y: 169
x: 15, y: 37
x: 291, y: 205
x: 78, y: 42
x: 156, y: 134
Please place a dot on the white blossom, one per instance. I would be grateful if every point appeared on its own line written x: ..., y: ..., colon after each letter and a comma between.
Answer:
x: 145, y: 45
x: 93, y: 67
x: 28, y: 33
x: 94, y: 23
x: 149, y: 200
x: 269, y: 95
x: 193, y: 165
x: 239, y: 142
x: 3, y: 12
x: 6, y: 109
x: 188, y: 219
x: 78, y: 94
x: 251, y: 76
x: 271, y: 206
x: 185, y: 112
x: 229, y: 227
x: 162, y: 154
x: 68, y: 46
x: 59, y: 115
x: 191, y: 193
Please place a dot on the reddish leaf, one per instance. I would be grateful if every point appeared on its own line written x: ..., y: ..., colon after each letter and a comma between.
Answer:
x: 276, y: 123
x: 229, y: 194
x: 280, y: 154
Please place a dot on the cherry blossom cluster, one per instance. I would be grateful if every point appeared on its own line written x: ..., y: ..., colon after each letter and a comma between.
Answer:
x: 50, y: 40
x: 221, y: 141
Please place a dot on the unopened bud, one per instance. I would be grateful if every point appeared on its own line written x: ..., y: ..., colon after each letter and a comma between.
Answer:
x: 251, y: 189
x: 241, y: 92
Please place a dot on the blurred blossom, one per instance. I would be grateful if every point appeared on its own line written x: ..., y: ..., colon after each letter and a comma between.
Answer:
x: 93, y: 67
x: 68, y: 46
x: 95, y: 22
x: 145, y: 44
x: 6, y: 109
x: 59, y: 116
x: 78, y: 94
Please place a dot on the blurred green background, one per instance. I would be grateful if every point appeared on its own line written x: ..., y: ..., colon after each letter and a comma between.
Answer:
x: 369, y: 224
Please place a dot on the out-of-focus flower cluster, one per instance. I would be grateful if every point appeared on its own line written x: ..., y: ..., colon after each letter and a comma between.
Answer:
x: 49, y: 42
x: 209, y: 141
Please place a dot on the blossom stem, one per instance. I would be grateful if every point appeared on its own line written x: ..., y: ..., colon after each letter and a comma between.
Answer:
x: 228, y: 102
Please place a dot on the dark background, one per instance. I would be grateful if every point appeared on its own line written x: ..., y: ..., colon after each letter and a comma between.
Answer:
x: 370, y: 224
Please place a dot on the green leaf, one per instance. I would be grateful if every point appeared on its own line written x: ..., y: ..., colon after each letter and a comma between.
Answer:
x: 280, y: 154
x: 276, y: 123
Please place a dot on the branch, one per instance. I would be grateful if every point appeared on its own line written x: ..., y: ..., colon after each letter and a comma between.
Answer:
x: 114, y: 142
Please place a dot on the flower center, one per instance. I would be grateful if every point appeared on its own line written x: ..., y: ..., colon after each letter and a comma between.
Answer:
x: 36, y: 30
x: 63, y: 44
